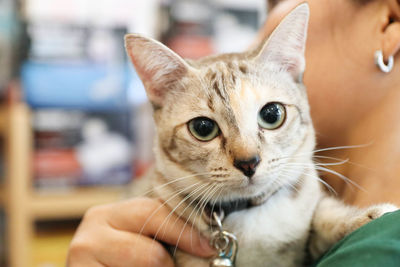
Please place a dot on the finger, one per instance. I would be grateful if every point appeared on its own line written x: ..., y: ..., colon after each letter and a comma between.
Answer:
x: 98, y: 245
x: 125, y: 249
x: 78, y: 257
x: 150, y: 217
x: 82, y: 247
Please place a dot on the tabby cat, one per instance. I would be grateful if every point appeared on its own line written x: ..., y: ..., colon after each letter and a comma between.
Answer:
x: 236, y: 128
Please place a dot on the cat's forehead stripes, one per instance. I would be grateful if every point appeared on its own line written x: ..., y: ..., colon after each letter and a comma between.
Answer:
x: 224, y: 78
x: 222, y: 85
x: 219, y: 87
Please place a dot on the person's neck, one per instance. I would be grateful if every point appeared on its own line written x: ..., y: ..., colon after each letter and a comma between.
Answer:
x: 373, y: 165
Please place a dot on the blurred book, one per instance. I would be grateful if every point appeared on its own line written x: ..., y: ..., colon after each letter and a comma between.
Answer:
x: 56, y: 167
x: 81, y: 148
x: 57, y: 128
x: 76, y: 81
x: 81, y: 86
x: 74, y: 66
x: 190, y: 32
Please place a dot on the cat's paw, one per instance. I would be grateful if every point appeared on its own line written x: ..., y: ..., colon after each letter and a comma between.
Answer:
x: 333, y: 221
x: 369, y: 214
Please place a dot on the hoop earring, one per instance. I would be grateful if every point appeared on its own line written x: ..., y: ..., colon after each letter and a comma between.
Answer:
x: 381, y: 63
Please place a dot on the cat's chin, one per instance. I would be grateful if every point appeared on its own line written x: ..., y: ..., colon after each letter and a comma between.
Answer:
x: 248, y: 191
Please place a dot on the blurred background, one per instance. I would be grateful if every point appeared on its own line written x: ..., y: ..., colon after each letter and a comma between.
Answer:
x: 75, y: 125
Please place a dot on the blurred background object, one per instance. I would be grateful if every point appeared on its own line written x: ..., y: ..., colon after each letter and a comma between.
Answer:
x: 75, y: 124
x: 11, y: 43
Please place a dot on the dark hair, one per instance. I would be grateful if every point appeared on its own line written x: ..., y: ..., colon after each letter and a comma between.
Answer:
x: 362, y: 2
x: 273, y: 3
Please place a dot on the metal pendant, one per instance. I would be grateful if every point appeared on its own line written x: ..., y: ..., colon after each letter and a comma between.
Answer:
x: 226, y: 245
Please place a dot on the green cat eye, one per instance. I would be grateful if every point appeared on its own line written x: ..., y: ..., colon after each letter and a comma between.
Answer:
x: 272, y: 116
x: 203, y: 129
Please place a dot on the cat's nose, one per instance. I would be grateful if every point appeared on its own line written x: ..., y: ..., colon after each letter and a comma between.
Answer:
x: 247, y: 166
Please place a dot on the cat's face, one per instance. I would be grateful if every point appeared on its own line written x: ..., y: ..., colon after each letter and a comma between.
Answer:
x: 236, y: 126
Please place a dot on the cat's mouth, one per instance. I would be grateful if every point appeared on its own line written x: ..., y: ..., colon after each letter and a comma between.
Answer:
x: 224, y: 208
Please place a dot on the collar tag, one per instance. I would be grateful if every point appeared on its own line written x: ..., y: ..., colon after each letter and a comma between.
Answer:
x: 225, y: 243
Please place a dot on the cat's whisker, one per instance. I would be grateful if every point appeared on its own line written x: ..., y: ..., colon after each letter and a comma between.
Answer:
x: 321, y: 168
x: 344, y: 178
x: 213, y: 205
x: 349, y: 162
x: 219, y: 190
x: 201, y: 196
x: 219, y: 180
x: 166, y: 219
x: 327, y: 149
x: 171, y: 182
x: 194, y: 221
x: 342, y: 147
x: 165, y: 203
x: 319, y: 164
x: 327, y: 157
x: 205, y: 194
x: 331, y: 163
x: 177, y: 206
x: 328, y: 186
x: 200, y: 210
x: 285, y: 175
x: 204, y: 201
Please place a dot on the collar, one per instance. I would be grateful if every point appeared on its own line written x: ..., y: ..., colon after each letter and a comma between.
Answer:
x: 228, y: 207
x: 225, y: 208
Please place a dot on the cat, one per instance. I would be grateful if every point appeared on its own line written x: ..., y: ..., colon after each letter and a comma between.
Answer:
x: 236, y: 128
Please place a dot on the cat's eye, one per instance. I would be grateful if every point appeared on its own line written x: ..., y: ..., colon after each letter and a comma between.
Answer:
x: 272, y: 116
x: 203, y: 129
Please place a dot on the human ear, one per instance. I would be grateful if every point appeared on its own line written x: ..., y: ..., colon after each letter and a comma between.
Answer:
x: 391, y: 30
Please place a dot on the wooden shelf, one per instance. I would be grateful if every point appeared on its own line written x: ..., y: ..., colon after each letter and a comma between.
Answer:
x: 24, y: 204
x: 70, y: 204
x: 2, y: 196
x: 3, y: 120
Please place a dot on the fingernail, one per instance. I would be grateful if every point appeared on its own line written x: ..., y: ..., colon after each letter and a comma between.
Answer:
x: 206, y: 247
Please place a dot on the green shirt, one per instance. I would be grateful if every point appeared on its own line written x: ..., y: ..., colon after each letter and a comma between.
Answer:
x: 374, y: 244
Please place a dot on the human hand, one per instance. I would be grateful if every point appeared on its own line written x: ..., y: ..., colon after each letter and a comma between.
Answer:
x: 121, y: 234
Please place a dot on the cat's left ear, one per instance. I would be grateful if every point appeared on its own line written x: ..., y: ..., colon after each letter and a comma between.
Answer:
x: 157, y: 66
x: 286, y: 45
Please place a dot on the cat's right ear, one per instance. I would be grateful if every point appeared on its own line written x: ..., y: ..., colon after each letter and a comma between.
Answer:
x: 157, y: 66
x: 286, y: 45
